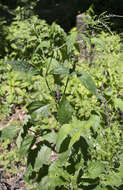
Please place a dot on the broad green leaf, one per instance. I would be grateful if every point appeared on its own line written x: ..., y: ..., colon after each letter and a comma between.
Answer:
x: 62, y: 134
x: 119, y: 103
x: 50, y: 137
x: 95, y: 169
x: 44, y: 110
x: 87, y: 81
x: 95, y: 119
x: 121, y: 170
x: 114, y: 179
x: 28, y: 173
x: 74, y: 139
x: 65, y: 110
x: 35, y: 106
x: 99, y: 188
x: 43, y: 44
x: 60, y: 71
x: 38, y: 108
x: 71, y: 39
x: 50, y: 182
x: 24, y: 67
x: 19, y: 139
x: 99, y: 43
x: 42, y: 157
x: 83, y: 127
x: 52, y: 63
x: 56, y: 169
x: 64, y: 156
x: 9, y: 132
x: 25, y: 146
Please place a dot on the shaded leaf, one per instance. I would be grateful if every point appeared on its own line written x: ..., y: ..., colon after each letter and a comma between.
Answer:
x: 65, y: 110
x: 87, y: 81
x: 24, y: 67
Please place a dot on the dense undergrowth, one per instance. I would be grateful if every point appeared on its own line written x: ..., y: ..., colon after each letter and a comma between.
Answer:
x: 61, y: 116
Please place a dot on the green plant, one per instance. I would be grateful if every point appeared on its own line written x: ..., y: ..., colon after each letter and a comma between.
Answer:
x: 70, y: 136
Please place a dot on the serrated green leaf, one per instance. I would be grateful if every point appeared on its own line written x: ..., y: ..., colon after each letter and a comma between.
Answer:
x: 74, y: 139
x: 42, y: 157
x: 65, y: 110
x: 62, y: 134
x: 9, y: 132
x: 95, y: 169
x: 24, y: 67
x: 87, y: 81
x: 25, y: 146
x: 119, y: 103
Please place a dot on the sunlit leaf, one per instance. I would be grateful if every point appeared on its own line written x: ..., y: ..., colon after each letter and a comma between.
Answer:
x: 113, y: 179
x: 119, y: 103
x: 25, y: 146
x: 60, y: 71
x: 43, y: 44
x: 99, y: 43
x: 74, y: 139
x: 9, y: 132
x: 42, y: 157
x: 38, y: 108
x: 95, y: 119
x: 35, y: 106
x: 71, y: 39
x: 50, y: 137
x: 95, y: 169
x: 63, y: 133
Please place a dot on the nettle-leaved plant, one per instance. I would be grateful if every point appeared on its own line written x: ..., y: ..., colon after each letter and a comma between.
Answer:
x: 56, y: 144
